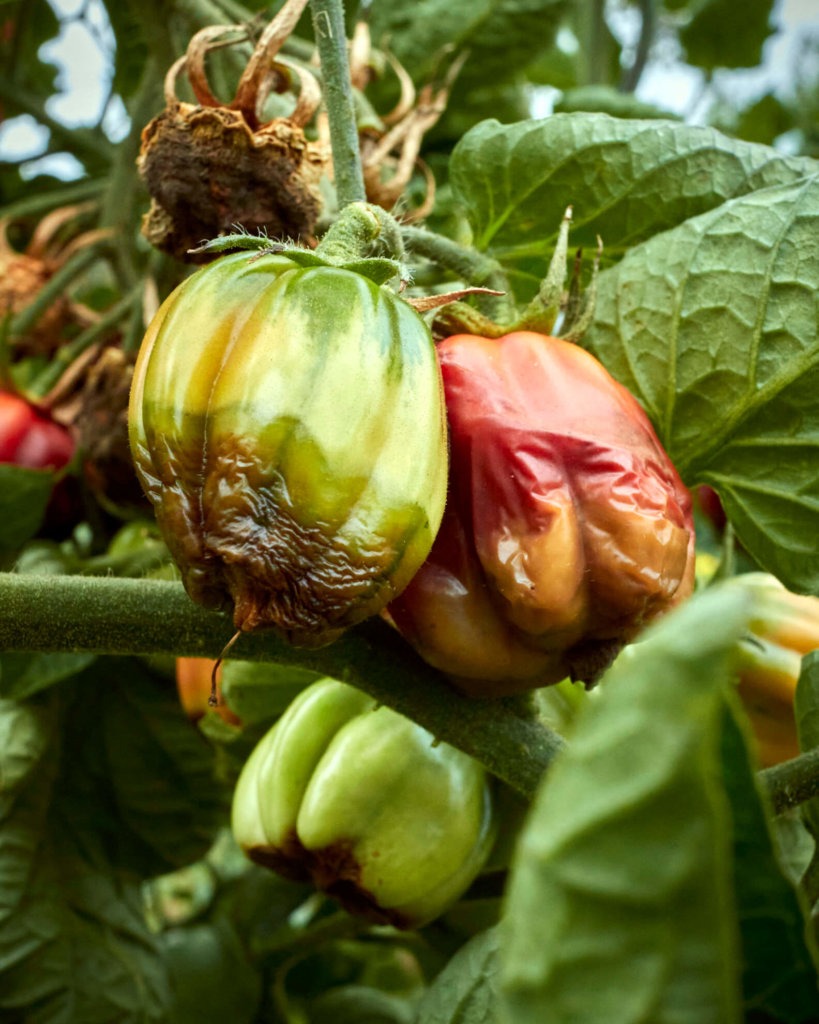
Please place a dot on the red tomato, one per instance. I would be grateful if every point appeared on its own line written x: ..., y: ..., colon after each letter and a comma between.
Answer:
x: 30, y: 438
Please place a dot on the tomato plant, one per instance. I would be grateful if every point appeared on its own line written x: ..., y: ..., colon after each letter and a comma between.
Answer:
x: 409, y: 357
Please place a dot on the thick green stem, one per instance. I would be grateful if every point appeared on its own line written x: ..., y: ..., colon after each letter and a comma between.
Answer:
x: 129, y: 616
x: 792, y: 782
x: 328, y: 24
x: 473, y: 267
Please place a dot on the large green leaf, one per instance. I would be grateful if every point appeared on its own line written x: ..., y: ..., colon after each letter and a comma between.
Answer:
x: 713, y: 326
x: 22, y: 675
x: 74, y: 945
x: 620, y: 907
x: 139, y: 779
x: 626, y: 179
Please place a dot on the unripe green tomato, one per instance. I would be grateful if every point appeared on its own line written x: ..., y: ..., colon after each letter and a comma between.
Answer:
x: 361, y: 801
x: 287, y: 424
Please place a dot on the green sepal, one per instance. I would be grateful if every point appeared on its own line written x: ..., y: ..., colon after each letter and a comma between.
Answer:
x: 379, y: 270
x: 233, y: 243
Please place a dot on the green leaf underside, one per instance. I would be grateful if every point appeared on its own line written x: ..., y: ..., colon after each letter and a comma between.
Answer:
x: 721, y: 34
x: 500, y: 36
x: 713, y: 326
x: 465, y: 991
x: 24, y: 494
x: 627, y: 852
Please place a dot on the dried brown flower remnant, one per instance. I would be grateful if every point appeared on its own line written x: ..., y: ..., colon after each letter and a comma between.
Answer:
x: 390, y: 151
x: 24, y: 274
x: 210, y: 166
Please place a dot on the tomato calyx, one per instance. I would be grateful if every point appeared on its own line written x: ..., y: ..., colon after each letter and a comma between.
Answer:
x: 365, y: 240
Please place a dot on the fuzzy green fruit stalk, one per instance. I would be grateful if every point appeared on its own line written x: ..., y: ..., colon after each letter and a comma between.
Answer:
x: 361, y: 801
x: 287, y: 424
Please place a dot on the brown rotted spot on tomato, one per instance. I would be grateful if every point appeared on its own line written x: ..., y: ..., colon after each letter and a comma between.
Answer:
x: 333, y: 870
x: 240, y: 542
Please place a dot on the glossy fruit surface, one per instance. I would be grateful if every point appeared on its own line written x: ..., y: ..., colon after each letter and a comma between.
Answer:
x: 363, y: 803
x: 567, y: 527
x: 30, y: 438
x: 287, y: 424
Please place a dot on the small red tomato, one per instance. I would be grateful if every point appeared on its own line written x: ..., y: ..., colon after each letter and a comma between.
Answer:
x: 30, y: 438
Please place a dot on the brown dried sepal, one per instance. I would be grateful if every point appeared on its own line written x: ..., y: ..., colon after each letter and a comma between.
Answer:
x: 24, y: 273
x: 211, y: 167
x: 391, y: 156
x: 207, y: 172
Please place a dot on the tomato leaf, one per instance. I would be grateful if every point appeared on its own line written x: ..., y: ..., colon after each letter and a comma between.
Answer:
x: 262, y: 691
x: 501, y: 36
x: 22, y: 675
x: 620, y: 906
x: 713, y: 327
x: 465, y: 991
x: 131, y: 750
x: 626, y: 179
x: 24, y: 494
x: 779, y: 970
x: 806, y: 708
x: 73, y: 940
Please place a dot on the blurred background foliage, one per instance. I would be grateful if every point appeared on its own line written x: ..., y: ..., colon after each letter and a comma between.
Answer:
x: 704, y: 61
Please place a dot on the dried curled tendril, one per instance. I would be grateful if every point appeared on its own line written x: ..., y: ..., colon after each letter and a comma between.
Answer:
x: 211, y: 165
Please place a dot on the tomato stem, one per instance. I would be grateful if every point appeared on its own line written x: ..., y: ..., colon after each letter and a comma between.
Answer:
x: 106, y: 615
x: 331, y: 40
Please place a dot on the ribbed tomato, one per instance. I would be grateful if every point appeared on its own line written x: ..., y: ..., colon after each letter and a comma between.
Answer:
x: 288, y: 425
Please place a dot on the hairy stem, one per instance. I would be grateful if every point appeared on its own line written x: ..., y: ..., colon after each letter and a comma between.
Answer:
x: 792, y: 782
x: 129, y: 616
x: 475, y: 268
x: 328, y: 24
x: 120, y: 205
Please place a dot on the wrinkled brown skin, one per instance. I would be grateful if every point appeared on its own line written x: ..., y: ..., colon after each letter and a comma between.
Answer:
x: 244, y: 548
x: 567, y: 528
x: 206, y: 172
